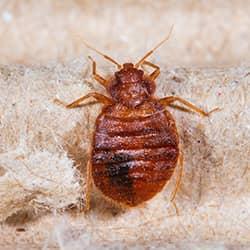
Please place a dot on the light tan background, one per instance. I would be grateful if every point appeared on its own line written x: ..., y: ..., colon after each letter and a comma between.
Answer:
x: 205, y: 33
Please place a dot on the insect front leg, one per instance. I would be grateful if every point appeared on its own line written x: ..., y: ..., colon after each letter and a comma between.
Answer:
x: 155, y: 73
x: 97, y: 77
x: 166, y: 101
x: 79, y: 102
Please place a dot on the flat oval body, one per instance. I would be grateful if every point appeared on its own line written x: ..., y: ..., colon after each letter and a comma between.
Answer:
x: 134, y: 152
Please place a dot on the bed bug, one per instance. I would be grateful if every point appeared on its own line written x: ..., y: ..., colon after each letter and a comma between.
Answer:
x: 135, y: 147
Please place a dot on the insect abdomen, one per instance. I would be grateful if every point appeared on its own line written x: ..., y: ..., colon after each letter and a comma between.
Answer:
x: 134, y: 155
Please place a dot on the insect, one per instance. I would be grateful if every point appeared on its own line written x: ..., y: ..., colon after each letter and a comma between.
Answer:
x: 135, y: 147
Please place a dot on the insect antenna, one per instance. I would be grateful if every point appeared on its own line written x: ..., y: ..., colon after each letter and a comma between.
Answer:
x: 102, y: 54
x: 155, y: 48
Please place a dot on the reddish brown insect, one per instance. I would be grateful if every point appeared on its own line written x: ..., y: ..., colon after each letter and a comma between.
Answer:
x: 135, y: 146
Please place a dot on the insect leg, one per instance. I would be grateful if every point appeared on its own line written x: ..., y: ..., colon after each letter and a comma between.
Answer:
x: 88, y: 187
x: 178, y: 182
x: 97, y: 77
x: 170, y: 99
x: 78, y: 103
x: 155, y: 73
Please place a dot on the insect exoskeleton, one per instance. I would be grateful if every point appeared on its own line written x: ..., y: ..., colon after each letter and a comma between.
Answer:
x: 135, y: 147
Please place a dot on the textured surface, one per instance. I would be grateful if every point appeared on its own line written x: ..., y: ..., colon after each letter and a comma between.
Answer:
x: 42, y: 144
x: 213, y: 201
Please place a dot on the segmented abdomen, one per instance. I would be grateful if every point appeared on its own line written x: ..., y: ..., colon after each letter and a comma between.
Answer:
x: 134, y: 154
